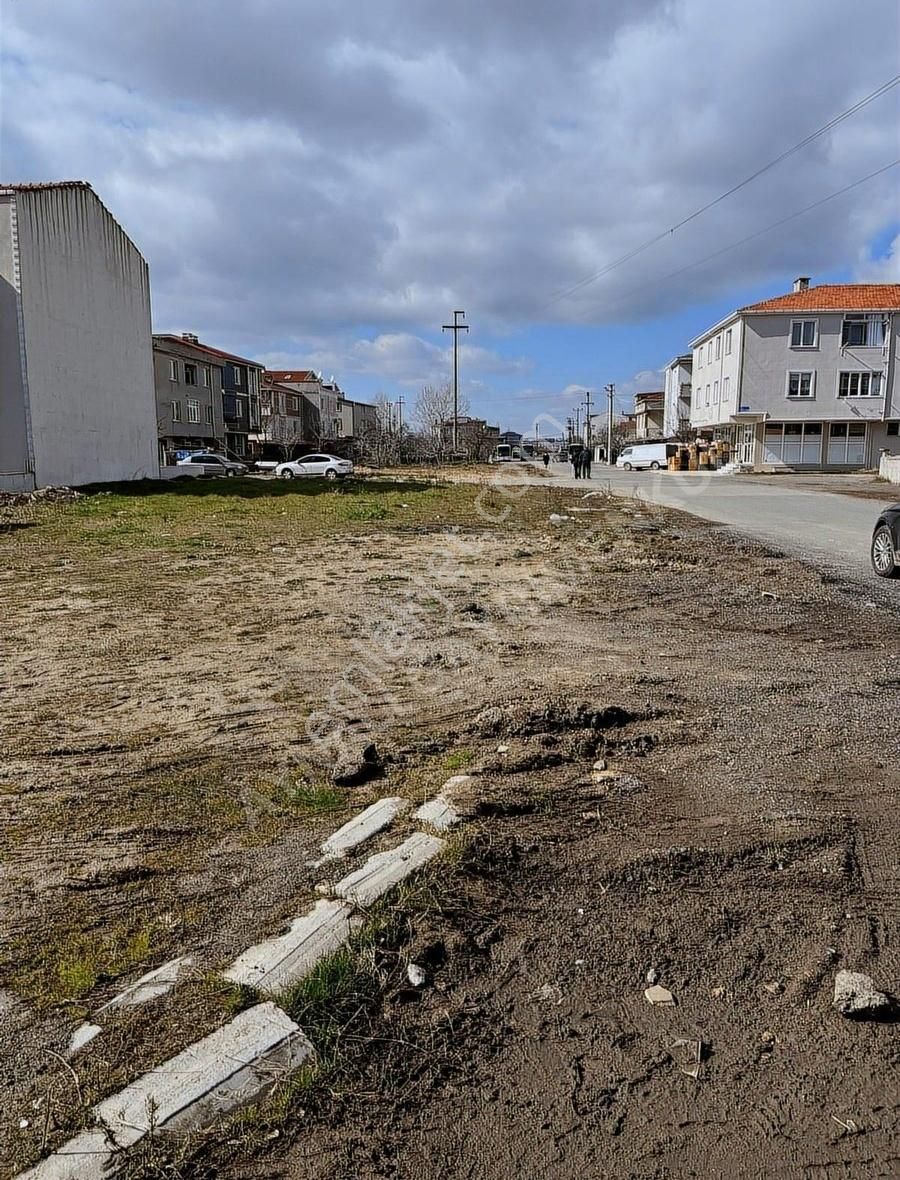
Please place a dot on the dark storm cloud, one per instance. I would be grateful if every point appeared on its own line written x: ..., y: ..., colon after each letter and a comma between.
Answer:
x: 295, y: 169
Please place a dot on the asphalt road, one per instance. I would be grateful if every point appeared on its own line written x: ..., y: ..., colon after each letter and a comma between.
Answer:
x: 827, y: 528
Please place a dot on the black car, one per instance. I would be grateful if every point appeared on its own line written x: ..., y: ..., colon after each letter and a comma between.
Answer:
x: 886, y: 543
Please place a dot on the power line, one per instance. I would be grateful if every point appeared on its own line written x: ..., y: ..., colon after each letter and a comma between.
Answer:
x: 775, y: 224
x: 734, y: 188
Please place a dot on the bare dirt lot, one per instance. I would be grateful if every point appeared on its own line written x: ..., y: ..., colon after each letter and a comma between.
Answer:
x: 179, y: 671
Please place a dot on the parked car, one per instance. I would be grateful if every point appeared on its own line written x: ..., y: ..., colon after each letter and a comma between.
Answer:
x: 886, y: 543
x: 213, y: 464
x: 265, y: 464
x: 652, y: 455
x: 329, y: 466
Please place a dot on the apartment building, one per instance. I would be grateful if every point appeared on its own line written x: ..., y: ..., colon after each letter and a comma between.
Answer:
x: 804, y: 380
x: 677, y: 397
x: 648, y: 414
x: 188, y: 381
x: 288, y: 422
x: 76, y: 358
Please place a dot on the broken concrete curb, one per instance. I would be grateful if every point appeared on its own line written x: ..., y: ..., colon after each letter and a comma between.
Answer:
x: 274, y: 965
x: 230, y: 1068
x: 384, y: 870
x: 363, y: 826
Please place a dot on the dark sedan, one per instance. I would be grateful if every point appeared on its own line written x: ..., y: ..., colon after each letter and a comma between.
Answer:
x: 886, y: 543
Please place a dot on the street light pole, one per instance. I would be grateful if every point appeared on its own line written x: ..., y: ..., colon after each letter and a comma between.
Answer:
x: 456, y: 327
x: 610, y: 394
x: 587, y: 398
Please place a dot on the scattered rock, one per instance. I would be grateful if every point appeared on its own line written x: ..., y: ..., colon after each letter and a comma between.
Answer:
x: 503, y: 749
x: 775, y: 988
x: 855, y: 995
x: 357, y: 765
x: 652, y: 976
x: 600, y: 764
x: 768, y: 1038
x: 717, y: 993
x: 548, y: 993
x: 687, y: 1054
x: 555, y: 518
x: 415, y: 975
x: 659, y: 996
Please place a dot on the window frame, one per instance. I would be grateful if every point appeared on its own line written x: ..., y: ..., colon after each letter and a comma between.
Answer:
x: 869, y: 321
x: 872, y: 378
x: 208, y: 414
x: 176, y: 410
x: 728, y: 342
x: 800, y: 397
x: 173, y: 369
x: 801, y: 347
x: 205, y: 371
x: 190, y: 373
x: 192, y: 406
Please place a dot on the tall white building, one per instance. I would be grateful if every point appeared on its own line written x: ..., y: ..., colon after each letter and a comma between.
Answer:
x: 76, y: 358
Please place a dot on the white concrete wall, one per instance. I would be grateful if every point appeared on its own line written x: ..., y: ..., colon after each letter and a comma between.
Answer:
x: 713, y: 405
x: 86, y: 312
x: 674, y: 408
x: 889, y: 468
x: 16, y: 472
x: 769, y: 357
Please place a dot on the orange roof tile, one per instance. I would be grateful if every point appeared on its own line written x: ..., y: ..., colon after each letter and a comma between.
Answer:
x: 835, y: 297
x: 291, y: 374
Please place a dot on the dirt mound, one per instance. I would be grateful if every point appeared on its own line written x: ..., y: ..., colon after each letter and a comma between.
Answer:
x: 553, y: 716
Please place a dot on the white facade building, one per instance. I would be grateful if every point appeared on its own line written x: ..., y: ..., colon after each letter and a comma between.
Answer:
x: 804, y: 380
x: 677, y: 403
x: 76, y: 360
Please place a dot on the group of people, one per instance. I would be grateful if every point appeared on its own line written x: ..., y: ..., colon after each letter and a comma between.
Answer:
x: 581, y: 461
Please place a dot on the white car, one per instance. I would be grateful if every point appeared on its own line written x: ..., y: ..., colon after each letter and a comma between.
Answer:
x: 213, y: 464
x: 329, y: 466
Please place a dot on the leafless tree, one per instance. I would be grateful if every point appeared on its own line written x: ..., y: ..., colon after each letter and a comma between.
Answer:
x: 433, y: 411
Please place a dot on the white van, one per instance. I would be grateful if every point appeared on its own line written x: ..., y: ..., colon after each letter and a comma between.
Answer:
x: 636, y: 456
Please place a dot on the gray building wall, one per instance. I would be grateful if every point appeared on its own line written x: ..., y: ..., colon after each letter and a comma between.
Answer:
x: 16, y: 468
x: 85, y: 300
x: 209, y: 397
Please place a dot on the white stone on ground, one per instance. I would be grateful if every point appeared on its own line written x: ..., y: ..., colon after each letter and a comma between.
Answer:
x: 150, y: 986
x: 272, y: 966
x: 442, y: 812
x: 384, y: 870
x: 82, y: 1036
x: 364, y: 826
x: 230, y: 1068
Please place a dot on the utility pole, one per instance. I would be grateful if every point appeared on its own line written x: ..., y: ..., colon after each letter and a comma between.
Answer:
x: 587, y: 398
x: 578, y: 424
x: 456, y: 327
x: 610, y: 394
x: 400, y: 415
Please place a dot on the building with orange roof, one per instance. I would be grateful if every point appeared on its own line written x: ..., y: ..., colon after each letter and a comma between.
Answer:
x: 807, y: 380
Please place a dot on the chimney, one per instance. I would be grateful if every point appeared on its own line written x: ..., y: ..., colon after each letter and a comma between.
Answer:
x: 801, y: 284
x: 190, y: 338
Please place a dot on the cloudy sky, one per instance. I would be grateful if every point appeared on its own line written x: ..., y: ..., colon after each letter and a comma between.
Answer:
x: 321, y: 182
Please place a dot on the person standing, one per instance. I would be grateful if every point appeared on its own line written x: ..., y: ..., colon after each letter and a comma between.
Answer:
x: 576, y: 462
x: 586, y: 463
x: 546, y: 460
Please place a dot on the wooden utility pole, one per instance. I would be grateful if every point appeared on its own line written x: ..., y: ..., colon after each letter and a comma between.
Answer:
x: 456, y: 327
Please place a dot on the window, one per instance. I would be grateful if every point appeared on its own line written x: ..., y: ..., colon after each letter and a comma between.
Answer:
x: 173, y: 370
x: 893, y: 429
x: 237, y: 376
x: 193, y: 410
x: 718, y: 347
x: 190, y: 374
x: 793, y: 443
x: 709, y: 353
x: 728, y: 342
x: 700, y: 357
x: 800, y: 384
x: 863, y: 384
x: 863, y: 331
x: 176, y: 411
x: 715, y: 393
x: 707, y: 395
x: 804, y: 333
x: 294, y: 404
x: 726, y: 389
x: 206, y: 376
x: 208, y: 415
x: 847, y: 443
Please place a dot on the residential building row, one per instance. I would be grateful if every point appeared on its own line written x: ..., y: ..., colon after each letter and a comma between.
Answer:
x: 89, y: 394
x: 806, y: 380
